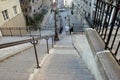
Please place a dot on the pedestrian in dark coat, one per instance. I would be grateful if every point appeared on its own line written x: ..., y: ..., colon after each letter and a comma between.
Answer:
x: 61, y: 29
x: 71, y: 30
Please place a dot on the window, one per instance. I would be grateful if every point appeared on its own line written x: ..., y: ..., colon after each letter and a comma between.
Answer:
x: 5, y: 14
x: 15, y: 9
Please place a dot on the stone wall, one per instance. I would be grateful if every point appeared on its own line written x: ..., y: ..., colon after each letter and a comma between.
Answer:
x: 15, y: 22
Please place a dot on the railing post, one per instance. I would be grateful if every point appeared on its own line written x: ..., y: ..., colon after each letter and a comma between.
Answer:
x: 30, y: 31
x: 102, y: 16
x: 112, y: 24
x: 94, y: 22
x: 20, y: 32
x: 115, y: 36
x: 117, y: 48
x: 34, y: 42
x: 10, y: 31
x: 39, y: 31
x: 52, y: 41
x: 47, y: 45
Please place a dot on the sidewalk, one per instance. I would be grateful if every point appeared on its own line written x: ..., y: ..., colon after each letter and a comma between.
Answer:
x: 63, y: 63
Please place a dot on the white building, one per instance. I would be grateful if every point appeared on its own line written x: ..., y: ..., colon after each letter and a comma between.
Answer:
x: 68, y: 3
x: 84, y: 7
x: 36, y: 6
x: 60, y: 3
x: 47, y: 2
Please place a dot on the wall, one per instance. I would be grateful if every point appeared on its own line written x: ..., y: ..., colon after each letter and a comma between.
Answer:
x: 46, y: 2
x: 17, y: 21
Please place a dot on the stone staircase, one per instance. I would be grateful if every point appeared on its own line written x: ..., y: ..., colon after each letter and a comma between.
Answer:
x: 64, y: 63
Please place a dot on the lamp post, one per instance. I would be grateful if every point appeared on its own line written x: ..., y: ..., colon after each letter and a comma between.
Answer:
x: 56, y: 38
x: 69, y: 20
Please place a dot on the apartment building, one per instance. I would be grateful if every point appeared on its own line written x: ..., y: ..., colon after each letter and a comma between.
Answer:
x: 11, y: 14
x: 31, y: 7
x: 46, y: 3
x: 84, y: 8
x: 36, y: 6
x: 60, y: 3
x: 68, y: 3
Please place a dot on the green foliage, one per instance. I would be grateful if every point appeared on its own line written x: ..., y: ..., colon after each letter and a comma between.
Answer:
x: 56, y: 11
x: 30, y: 21
x: 32, y: 24
x: 38, y: 17
x: 44, y: 11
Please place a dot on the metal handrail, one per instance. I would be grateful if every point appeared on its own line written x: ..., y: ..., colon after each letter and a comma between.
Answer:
x: 9, y: 44
x: 107, y: 22
x: 33, y: 40
x: 22, y: 31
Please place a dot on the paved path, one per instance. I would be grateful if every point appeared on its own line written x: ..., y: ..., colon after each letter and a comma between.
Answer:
x: 63, y: 63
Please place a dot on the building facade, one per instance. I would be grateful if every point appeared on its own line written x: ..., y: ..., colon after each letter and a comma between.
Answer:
x: 36, y: 6
x: 60, y: 3
x: 31, y: 7
x: 11, y: 14
x: 68, y: 3
x: 84, y: 8
x: 46, y: 3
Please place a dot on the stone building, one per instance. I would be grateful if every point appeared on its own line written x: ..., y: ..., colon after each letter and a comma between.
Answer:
x: 11, y: 14
x: 60, y: 3
x: 46, y: 3
x: 84, y: 8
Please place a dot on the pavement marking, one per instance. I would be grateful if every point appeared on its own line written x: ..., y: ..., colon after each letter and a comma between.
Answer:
x: 35, y: 71
x: 43, y: 60
x: 51, y: 51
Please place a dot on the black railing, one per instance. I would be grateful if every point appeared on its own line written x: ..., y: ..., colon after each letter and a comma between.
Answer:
x: 107, y: 24
x: 33, y: 38
x: 22, y: 31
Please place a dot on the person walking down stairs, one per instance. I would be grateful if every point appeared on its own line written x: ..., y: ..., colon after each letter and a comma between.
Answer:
x: 67, y: 29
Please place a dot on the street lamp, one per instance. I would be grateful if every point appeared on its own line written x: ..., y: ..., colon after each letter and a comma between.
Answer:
x: 56, y: 38
x: 69, y: 20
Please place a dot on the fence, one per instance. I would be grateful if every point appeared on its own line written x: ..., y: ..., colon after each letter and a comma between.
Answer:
x: 33, y: 40
x: 107, y: 24
x: 22, y: 31
x: 34, y: 36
